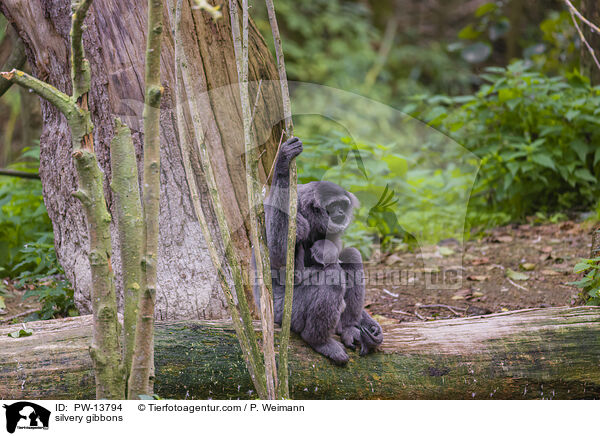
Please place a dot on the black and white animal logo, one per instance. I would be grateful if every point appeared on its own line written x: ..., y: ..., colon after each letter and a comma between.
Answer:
x: 329, y: 288
x: 27, y: 415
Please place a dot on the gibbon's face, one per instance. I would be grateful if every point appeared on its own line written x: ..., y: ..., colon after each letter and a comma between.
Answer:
x: 338, y: 211
x: 331, y: 207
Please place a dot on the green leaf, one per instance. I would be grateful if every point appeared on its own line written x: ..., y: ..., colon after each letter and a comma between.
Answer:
x: 485, y: 8
x: 572, y: 113
x: 476, y: 53
x: 583, y: 173
x: 21, y: 333
x: 514, y: 275
x: 581, y: 148
x: 468, y: 32
x: 543, y: 160
x: 581, y: 267
x: 396, y: 164
x: 446, y: 251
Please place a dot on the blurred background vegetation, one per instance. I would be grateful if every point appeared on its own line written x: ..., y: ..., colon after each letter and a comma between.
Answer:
x: 503, y: 79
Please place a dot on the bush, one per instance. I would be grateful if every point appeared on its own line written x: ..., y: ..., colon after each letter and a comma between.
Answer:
x: 44, y: 278
x: 536, y: 136
x: 23, y: 216
x: 590, y: 283
x: 26, y: 242
x: 403, y: 199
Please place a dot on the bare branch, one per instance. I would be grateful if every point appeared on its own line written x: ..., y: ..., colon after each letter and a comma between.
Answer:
x: 257, y: 212
x: 574, y: 12
x: 283, y: 388
x: 20, y: 174
x: 16, y: 60
x: 48, y: 92
x: 141, y: 377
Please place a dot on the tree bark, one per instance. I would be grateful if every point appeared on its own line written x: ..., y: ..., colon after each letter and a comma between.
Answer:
x: 590, y: 9
x: 114, y: 41
x: 526, y: 354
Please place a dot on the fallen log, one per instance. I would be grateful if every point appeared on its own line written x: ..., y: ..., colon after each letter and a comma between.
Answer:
x: 531, y: 353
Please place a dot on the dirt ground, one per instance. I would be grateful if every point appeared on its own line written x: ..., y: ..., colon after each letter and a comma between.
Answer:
x: 513, y: 267
x: 478, y: 278
x: 15, y: 308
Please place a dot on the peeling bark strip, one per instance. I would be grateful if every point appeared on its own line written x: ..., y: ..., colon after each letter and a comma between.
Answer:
x: 114, y: 40
x: 283, y: 388
x: 527, y: 354
x: 255, y: 200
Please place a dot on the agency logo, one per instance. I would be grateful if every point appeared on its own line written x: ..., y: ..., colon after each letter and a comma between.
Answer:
x: 26, y: 415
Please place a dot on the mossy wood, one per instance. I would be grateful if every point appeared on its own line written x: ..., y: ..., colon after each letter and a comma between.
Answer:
x: 527, y: 354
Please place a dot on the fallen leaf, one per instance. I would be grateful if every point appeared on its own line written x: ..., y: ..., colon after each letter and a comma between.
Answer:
x: 446, y: 251
x: 480, y: 261
x: 546, y: 249
x: 461, y: 294
x: 550, y: 272
x: 392, y: 259
x: 514, y: 275
x: 528, y: 266
x: 21, y: 333
x: 477, y: 294
x: 503, y: 238
x: 504, y: 309
x: 475, y: 278
x: 2, y: 304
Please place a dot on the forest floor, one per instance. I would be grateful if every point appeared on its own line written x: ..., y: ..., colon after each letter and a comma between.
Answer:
x: 512, y: 267
x: 12, y: 305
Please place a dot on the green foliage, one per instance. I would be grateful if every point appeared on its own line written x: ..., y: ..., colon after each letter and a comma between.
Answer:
x: 26, y: 242
x: 23, y: 216
x: 550, y: 47
x: 536, y: 136
x: 44, y: 278
x: 403, y: 200
x: 477, y: 38
x: 336, y: 43
x: 590, y: 283
x: 328, y: 42
x: 559, y: 51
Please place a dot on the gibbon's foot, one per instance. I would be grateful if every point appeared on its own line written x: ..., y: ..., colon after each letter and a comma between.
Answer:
x: 350, y: 336
x: 371, y: 334
x: 333, y: 350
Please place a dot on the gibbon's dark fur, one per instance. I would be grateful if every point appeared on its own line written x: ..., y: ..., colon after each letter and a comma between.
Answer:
x: 329, y: 287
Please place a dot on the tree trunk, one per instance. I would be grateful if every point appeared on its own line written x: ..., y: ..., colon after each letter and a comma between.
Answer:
x: 590, y: 9
x: 114, y: 41
x: 531, y: 353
